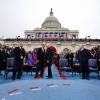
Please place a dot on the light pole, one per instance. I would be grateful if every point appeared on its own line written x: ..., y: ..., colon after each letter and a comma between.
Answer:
x: 58, y: 43
x: 17, y: 37
x: 88, y: 40
x: 73, y: 42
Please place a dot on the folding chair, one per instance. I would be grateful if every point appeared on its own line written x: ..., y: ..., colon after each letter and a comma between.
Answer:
x: 76, y: 66
x: 10, y: 66
x: 28, y: 68
x: 93, y: 67
x: 64, y: 66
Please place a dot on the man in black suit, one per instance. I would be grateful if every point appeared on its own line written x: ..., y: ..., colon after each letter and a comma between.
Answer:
x: 49, y: 60
x: 19, y: 54
x: 40, y: 60
x: 83, y: 56
x: 1, y: 58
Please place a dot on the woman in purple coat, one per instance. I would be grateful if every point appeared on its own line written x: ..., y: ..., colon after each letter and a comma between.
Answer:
x: 30, y: 59
x: 34, y: 57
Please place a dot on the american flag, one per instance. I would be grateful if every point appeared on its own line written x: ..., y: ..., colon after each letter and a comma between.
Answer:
x: 56, y: 35
x: 28, y: 37
x: 45, y: 35
x: 62, y: 35
x: 50, y: 35
x: 39, y: 35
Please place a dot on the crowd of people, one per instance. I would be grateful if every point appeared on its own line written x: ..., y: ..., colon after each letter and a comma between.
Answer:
x: 44, y: 57
x: 83, y: 56
x: 39, y: 57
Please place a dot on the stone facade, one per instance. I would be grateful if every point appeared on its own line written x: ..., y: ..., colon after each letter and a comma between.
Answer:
x: 72, y: 45
x: 51, y: 29
x: 53, y: 34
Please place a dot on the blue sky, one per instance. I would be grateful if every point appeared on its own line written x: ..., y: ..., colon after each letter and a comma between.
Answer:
x: 16, y: 16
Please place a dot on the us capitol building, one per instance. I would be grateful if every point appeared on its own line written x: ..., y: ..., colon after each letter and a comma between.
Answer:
x: 52, y: 33
x: 51, y: 29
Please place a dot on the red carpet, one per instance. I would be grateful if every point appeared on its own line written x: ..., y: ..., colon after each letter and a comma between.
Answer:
x: 61, y: 74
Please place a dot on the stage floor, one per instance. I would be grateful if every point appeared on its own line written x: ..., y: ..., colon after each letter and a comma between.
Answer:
x: 57, y: 88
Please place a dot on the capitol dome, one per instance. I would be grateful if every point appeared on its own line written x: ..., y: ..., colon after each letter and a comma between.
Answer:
x: 51, y: 22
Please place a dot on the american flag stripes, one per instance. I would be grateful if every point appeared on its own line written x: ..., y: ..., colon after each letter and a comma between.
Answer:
x: 51, y: 35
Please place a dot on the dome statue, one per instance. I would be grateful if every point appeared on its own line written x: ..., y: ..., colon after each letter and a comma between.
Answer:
x: 51, y: 22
